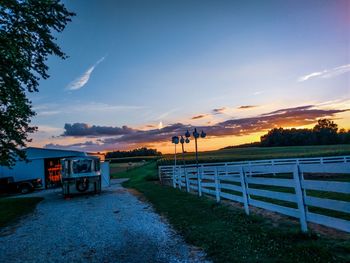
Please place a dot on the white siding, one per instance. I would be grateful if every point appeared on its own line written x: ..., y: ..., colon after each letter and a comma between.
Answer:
x: 25, y: 171
x: 105, y: 174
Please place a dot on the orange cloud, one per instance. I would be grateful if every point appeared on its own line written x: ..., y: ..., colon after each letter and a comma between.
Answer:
x: 219, y: 110
x: 127, y: 138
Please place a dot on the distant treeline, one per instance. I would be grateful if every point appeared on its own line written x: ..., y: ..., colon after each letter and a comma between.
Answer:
x: 325, y: 132
x: 133, y: 153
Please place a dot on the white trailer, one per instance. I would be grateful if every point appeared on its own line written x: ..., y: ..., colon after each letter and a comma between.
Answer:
x: 44, y: 167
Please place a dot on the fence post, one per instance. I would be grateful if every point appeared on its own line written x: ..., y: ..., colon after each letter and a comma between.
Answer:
x: 187, y: 181
x: 160, y: 175
x: 199, y: 180
x: 217, y: 185
x: 300, y: 198
x: 273, y: 164
x: 174, y: 182
x: 179, y: 178
x: 244, y: 190
x: 250, y: 169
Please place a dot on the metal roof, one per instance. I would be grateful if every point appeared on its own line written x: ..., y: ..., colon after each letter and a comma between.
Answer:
x: 43, y: 153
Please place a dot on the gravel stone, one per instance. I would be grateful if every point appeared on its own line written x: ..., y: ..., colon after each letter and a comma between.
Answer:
x: 114, y: 226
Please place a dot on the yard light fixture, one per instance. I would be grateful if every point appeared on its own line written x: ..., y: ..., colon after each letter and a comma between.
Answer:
x: 195, y: 133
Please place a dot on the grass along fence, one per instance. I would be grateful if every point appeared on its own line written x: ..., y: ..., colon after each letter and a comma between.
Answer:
x: 313, y: 190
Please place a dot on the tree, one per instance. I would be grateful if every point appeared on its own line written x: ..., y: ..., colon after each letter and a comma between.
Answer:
x: 26, y: 40
x: 326, y: 131
x: 326, y: 124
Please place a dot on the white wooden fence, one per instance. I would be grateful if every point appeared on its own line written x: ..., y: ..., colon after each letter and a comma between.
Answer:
x: 293, y: 187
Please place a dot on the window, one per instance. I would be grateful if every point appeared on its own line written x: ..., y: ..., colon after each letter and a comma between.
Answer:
x: 82, y: 166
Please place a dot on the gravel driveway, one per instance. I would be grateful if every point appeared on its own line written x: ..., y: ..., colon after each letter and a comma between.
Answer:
x: 114, y: 226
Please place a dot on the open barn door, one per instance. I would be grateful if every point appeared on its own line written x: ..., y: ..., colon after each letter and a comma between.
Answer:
x: 52, y: 172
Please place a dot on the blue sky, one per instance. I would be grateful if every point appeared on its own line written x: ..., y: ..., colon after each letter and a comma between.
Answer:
x: 151, y: 64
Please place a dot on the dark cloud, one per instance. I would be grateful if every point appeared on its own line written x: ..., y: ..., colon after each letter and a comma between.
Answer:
x: 75, y: 145
x: 289, y: 117
x: 219, y: 110
x: 199, y: 116
x: 83, y: 129
x: 244, y: 107
x: 295, y: 109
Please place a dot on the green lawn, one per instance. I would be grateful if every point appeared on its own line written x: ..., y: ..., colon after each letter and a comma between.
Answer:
x: 12, y: 209
x: 255, y: 153
x: 226, y: 233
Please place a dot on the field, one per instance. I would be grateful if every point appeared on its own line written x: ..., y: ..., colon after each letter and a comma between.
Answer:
x: 227, y: 234
x: 255, y: 153
x: 122, y: 167
x: 132, y: 159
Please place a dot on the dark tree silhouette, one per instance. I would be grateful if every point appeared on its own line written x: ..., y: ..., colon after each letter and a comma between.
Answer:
x: 26, y: 37
x: 133, y: 153
x: 324, y: 132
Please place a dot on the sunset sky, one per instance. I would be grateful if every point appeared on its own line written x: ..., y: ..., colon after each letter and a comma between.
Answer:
x: 140, y: 72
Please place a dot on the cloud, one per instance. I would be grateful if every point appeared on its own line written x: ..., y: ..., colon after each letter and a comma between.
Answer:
x: 327, y: 73
x: 48, y: 129
x: 166, y: 114
x: 219, y: 110
x: 48, y: 113
x: 125, y: 137
x: 201, y: 116
x: 55, y: 109
x: 258, y: 92
x: 83, y: 129
x: 83, y: 79
x: 243, y: 107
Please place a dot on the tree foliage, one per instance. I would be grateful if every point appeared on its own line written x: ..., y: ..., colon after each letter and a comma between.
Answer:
x: 324, y: 132
x: 143, y: 151
x: 26, y: 40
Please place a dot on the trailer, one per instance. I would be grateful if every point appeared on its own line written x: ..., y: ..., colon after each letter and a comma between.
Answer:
x: 81, y: 175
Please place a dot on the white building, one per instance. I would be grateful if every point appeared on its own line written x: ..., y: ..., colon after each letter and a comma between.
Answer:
x: 46, y: 165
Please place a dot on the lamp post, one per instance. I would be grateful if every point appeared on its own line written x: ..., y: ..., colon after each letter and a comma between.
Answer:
x: 196, y: 135
x: 182, y: 141
x: 174, y: 140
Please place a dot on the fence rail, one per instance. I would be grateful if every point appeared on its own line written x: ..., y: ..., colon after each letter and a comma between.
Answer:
x: 310, y: 189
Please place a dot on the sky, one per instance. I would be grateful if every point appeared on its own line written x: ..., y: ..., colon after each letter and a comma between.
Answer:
x: 140, y: 72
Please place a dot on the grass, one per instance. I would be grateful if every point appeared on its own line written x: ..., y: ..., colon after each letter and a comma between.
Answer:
x: 121, y: 167
x: 226, y: 233
x: 11, y: 209
x: 259, y: 153
x: 132, y: 159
